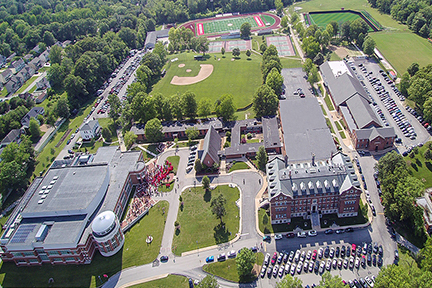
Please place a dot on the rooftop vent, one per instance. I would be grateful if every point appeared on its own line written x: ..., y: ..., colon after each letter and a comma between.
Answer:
x: 310, y: 185
x: 55, y: 177
x: 318, y: 184
x: 40, y: 201
x: 326, y: 184
x: 41, y: 192
x: 294, y: 187
x: 52, y: 182
x: 335, y: 183
x: 302, y: 186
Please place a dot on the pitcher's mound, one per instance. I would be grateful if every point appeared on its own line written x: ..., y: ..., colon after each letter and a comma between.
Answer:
x: 181, y: 65
x: 188, y: 70
x: 205, y: 71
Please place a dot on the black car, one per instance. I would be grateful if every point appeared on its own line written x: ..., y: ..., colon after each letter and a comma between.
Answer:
x: 374, y: 260
x: 348, y: 251
x: 326, y: 252
x: 349, y: 230
x: 328, y: 231
x: 316, y: 268
x: 357, y: 284
x: 164, y: 258
x: 337, y: 251
x: 343, y: 251
x: 380, y: 250
x: 369, y: 259
x: 254, y: 249
x: 380, y: 260
x: 191, y: 285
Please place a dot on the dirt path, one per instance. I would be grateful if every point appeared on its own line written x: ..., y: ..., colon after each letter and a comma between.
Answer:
x: 205, y: 71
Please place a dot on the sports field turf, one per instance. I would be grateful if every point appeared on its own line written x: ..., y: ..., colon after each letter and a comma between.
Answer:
x: 239, y: 78
x: 226, y: 25
x: 325, y: 18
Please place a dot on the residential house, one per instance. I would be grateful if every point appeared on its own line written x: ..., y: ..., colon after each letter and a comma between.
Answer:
x: 17, y: 65
x: 44, y: 56
x: 5, y: 76
x: 2, y: 61
x: 26, y: 73
x: 36, y: 63
x: 43, y: 84
x: 40, y: 96
x: 90, y: 129
x: 36, y: 49
x: 9, y: 59
x: 425, y: 203
x: 25, y: 95
x: 13, y: 136
x: 33, y: 113
x: 28, y: 57
x: 14, y: 84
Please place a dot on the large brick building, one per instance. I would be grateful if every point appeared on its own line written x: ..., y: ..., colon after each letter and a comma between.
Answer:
x: 312, y: 188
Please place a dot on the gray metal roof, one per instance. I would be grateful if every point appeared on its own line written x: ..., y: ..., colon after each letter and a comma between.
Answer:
x: 152, y: 37
x: 212, y: 145
x: 362, y: 113
x: 271, y: 132
x: 89, y: 126
x: 373, y: 133
x: 176, y: 127
x: 304, y: 129
x: 10, y: 137
x: 335, y: 175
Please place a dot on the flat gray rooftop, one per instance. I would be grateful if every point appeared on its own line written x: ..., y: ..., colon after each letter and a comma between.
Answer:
x: 304, y: 130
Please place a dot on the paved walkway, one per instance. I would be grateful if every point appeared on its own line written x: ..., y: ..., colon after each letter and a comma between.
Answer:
x: 43, y: 138
x: 146, y: 150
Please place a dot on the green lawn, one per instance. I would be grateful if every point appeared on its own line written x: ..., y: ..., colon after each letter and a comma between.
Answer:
x: 398, y: 44
x: 228, y: 269
x: 174, y: 161
x: 291, y: 62
x: 135, y: 252
x: 26, y: 84
x: 329, y: 103
x: 92, y: 147
x: 169, y: 281
x: 348, y: 221
x: 420, y: 168
x: 338, y: 126
x: 4, y: 92
x: 239, y: 78
x: 323, y: 110
x: 334, y: 57
x: 266, y: 227
x: 329, y: 125
x: 32, y: 89
x: 342, y: 134
x: 239, y: 166
x: 198, y: 223
x: 322, y: 20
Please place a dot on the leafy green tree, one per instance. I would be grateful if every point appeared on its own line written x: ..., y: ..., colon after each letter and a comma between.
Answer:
x: 284, y: 22
x: 225, y: 107
x: 206, y: 182
x: 294, y: 18
x: 62, y: 107
x: 236, y: 52
x: 313, y: 76
x: 198, y: 166
x: 106, y: 133
x: 329, y: 30
x: 204, y: 107
x: 404, y: 84
x: 218, y: 206
x: 248, y: 53
x: 223, y: 51
x: 329, y: 281
x: 345, y: 30
x: 279, y: 7
x: 177, y: 107
x: 189, y: 104
x: 265, y: 101
x: 245, y: 30
x: 115, y: 106
x: 245, y: 261
x: 427, y: 110
x: 311, y: 47
x: 307, y: 65
x: 160, y: 50
x: 153, y: 130
x: 262, y: 157
x: 289, y: 282
x: 208, y: 282
x: 358, y: 27
x: 34, y: 129
x: 56, y: 76
x: 55, y: 54
x: 413, y: 68
x: 428, y: 154
x: 275, y: 81
x: 369, y: 46
x: 335, y: 26
x: 129, y: 138
x: 426, y: 255
x: 191, y: 133
x: 418, y: 90
x: 263, y: 47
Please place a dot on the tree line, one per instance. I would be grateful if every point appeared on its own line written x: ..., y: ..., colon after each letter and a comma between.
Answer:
x: 417, y: 15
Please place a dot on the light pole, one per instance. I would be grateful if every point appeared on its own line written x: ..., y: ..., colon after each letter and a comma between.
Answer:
x: 197, y: 247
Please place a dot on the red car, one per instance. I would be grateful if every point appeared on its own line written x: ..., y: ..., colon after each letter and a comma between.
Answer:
x: 353, y: 248
x: 273, y: 260
x: 314, y: 255
x: 290, y: 235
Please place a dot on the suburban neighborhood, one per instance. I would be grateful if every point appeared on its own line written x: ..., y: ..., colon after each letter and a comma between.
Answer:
x: 171, y: 144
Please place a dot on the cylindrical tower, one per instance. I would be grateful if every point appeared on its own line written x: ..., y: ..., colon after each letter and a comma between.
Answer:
x: 107, y: 233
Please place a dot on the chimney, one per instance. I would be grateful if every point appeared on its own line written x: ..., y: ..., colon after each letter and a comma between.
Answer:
x: 313, y: 159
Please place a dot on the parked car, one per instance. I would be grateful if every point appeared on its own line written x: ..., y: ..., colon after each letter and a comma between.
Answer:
x: 221, y: 257
x: 312, y: 233
x: 278, y: 236
x: 209, y: 259
x: 301, y: 234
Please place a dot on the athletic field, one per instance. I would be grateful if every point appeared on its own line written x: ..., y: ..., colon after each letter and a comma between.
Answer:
x: 225, y: 25
x: 323, y: 19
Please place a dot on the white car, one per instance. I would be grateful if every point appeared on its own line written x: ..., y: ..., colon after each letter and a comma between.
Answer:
x: 322, y: 266
x: 309, y: 254
x: 312, y: 233
x: 232, y: 254
x: 328, y: 264
x: 293, y: 269
x: 275, y: 270
x: 278, y: 236
x: 299, y: 267
x: 369, y: 281
x: 297, y: 256
x: 287, y: 267
x: 302, y: 256
x: 357, y: 262
x: 301, y: 234
x: 281, y: 271
x: 305, y: 266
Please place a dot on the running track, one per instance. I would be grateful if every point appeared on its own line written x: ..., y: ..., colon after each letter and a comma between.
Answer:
x: 200, y: 29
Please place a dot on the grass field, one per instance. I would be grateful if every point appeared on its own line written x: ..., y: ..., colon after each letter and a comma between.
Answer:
x: 266, y: 227
x: 200, y: 224
x: 239, y: 78
x: 169, y: 281
x: 322, y: 20
x: 134, y: 252
x: 226, y: 25
x: 399, y: 46
x: 228, y: 269
x: 419, y: 167
x: 239, y: 166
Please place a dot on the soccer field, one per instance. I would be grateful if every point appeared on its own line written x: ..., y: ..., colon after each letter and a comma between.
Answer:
x: 227, y: 25
x: 323, y: 19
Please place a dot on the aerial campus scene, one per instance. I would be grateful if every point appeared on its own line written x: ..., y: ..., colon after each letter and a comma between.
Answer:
x: 229, y: 143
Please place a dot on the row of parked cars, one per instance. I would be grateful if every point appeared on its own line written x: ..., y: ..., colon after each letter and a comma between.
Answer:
x: 419, y: 118
x: 191, y: 158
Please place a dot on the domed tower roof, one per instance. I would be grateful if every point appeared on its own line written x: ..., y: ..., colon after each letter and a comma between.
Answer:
x: 103, y: 223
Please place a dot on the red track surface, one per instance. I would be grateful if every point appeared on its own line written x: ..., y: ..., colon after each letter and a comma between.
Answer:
x: 191, y: 24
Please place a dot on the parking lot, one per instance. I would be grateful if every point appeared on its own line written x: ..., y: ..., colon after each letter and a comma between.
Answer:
x: 388, y: 104
x: 294, y: 79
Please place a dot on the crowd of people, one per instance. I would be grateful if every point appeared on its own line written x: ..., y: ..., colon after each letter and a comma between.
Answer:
x: 153, y: 175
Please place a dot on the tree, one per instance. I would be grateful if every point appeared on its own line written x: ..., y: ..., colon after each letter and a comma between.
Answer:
x: 55, y: 54
x: 206, y: 182
x: 198, y: 166
x: 284, y: 22
x: 236, y: 52
x: 225, y: 107
x: 369, y: 46
x: 313, y: 76
x: 191, y: 133
x: 428, y: 154
x: 223, y: 51
x: 263, y: 47
x: 245, y: 261
x: 289, y: 282
x: 413, y: 68
x: 335, y: 26
x: 115, y: 106
x: 208, y: 282
x: 129, y: 139
x: 106, y: 133
x: 279, y: 7
x: 307, y: 65
x: 404, y: 83
x: 34, y: 129
x: 204, y: 107
x: 418, y: 89
x: 265, y: 101
x: 189, y: 105
x: 311, y: 47
x: 62, y: 107
x: 153, y: 130
x: 426, y: 255
x: 345, y: 31
x: 245, y: 30
x: 329, y: 281
x: 275, y: 81
x: 248, y: 53
x: 218, y: 206
x: 262, y: 157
